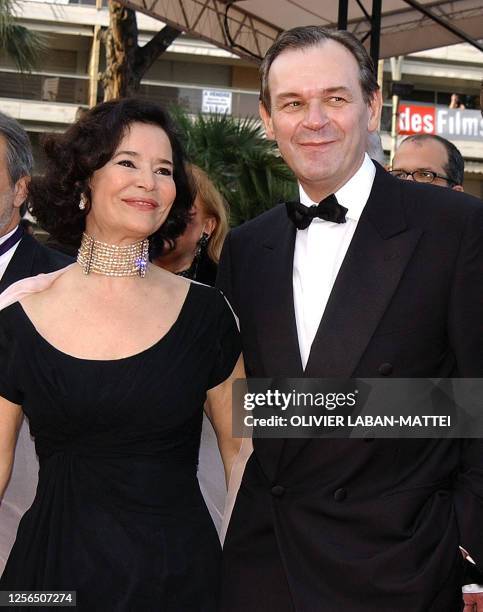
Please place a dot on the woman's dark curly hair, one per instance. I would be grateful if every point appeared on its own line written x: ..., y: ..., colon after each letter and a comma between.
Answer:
x: 85, y: 147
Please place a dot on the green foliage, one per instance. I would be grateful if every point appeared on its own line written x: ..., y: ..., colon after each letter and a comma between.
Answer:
x: 20, y: 43
x: 241, y: 162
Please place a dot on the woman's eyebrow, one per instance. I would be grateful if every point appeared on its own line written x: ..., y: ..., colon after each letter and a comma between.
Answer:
x: 134, y: 154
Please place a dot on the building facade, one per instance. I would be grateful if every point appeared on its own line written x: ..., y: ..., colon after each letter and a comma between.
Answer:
x: 204, y: 78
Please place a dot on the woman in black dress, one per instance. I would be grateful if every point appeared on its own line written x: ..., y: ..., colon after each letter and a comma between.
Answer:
x: 112, y: 363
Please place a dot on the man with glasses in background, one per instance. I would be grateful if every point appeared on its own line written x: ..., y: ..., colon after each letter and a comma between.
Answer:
x: 427, y: 158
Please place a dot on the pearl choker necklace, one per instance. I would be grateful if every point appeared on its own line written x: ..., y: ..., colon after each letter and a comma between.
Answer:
x: 113, y: 260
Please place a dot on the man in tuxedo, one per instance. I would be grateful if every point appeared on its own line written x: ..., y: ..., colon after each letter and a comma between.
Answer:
x: 20, y: 256
x: 387, y: 282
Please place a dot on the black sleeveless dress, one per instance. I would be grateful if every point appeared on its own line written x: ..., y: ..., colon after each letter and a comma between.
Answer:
x: 118, y: 516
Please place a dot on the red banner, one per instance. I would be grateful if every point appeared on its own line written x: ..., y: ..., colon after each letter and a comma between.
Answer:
x: 416, y: 119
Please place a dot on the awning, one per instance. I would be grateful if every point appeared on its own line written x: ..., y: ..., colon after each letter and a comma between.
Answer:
x: 248, y: 27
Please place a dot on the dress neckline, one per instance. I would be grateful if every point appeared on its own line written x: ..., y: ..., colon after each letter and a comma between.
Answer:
x: 181, y: 315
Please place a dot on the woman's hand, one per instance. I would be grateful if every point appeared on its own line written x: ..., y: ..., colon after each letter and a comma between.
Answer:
x: 10, y: 421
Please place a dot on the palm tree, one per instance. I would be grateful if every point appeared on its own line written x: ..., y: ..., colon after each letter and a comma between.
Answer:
x: 21, y: 44
x: 241, y: 162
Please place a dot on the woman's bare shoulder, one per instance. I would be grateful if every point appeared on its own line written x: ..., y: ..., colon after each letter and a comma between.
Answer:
x: 56, y: 291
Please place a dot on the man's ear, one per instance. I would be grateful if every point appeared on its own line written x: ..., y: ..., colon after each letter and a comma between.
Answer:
x: 267, y: 121
x: 21, y: 191
x: 458, y: 187
x: 375, y: 108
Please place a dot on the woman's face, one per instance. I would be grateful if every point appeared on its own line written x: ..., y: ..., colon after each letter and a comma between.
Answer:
x: 131, y: 195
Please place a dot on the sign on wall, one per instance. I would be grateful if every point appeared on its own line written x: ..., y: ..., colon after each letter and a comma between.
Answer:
x: 216, y: 101
x: 459, y: 124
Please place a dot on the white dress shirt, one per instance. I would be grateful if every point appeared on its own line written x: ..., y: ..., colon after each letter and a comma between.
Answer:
x: 6, y: 257
x: 319, y: 252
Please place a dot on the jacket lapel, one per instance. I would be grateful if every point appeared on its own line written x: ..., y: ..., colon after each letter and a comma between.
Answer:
x: 275, y: 322
x: 370, y: 273
x: 275, y: 313
x: 22, y: 263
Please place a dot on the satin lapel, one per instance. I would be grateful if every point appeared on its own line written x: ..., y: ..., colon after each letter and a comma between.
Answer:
x: 366, y: 282
x: 275, y: 311
x: 370, y: 273
x: 275, y: 322
x: 21, y: 264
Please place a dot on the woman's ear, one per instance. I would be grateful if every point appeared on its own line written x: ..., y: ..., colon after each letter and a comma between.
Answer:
x: 209, y: 225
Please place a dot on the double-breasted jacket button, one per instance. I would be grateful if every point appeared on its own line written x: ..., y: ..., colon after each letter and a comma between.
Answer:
x: 278, y: 490
x: 340, y: 494
x: 385, y: 369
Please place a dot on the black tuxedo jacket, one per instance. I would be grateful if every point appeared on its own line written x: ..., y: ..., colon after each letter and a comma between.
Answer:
x: 361, y: 525
x: 31, y: 258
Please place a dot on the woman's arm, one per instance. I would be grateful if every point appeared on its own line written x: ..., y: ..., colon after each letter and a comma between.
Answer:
x: 10, y: 421
x: 218, y: 408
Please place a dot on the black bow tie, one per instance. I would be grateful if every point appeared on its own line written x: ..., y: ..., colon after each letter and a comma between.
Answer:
x: 328, y: 209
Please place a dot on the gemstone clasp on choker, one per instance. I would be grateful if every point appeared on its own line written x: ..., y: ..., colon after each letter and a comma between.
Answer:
x: 111, y: 259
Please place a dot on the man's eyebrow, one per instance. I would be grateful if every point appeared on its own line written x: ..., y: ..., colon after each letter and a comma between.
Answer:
x: 423, y: 169
x: 134, y: 154
x: 338, y: 89
x: 287, y: 94
x: 329, y: 90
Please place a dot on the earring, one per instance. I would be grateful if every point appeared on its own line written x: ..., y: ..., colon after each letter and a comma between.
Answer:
x: 83, y: 201
x: 201, y: 246
x: 203, y: 241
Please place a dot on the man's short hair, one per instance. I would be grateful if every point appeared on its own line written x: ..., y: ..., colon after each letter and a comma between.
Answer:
x: 311, y: 36
x: 455, y: 166
x: 19, y: 155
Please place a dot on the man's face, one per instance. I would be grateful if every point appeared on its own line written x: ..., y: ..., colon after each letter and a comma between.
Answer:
x: 318, y: 115
x: 423, y: 155
x: 11, y: 196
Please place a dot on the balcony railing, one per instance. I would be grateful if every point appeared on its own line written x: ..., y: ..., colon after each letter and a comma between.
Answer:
x: 73, y: 89
x: 243, y: 103
x: 48, y: 87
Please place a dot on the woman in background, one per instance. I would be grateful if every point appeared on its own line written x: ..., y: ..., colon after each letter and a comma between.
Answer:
x: 197, y: 251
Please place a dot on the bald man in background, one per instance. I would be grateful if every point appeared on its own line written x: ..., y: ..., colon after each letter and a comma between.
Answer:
x: 428, y: 158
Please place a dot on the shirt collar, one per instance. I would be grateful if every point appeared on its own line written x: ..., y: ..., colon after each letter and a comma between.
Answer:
x: 354, y: 194
x: 7, y: 236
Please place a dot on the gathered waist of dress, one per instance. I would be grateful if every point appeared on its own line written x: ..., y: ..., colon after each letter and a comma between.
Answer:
x: 119, y: 446
x: 156, y: 492
x: 163, y: 483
